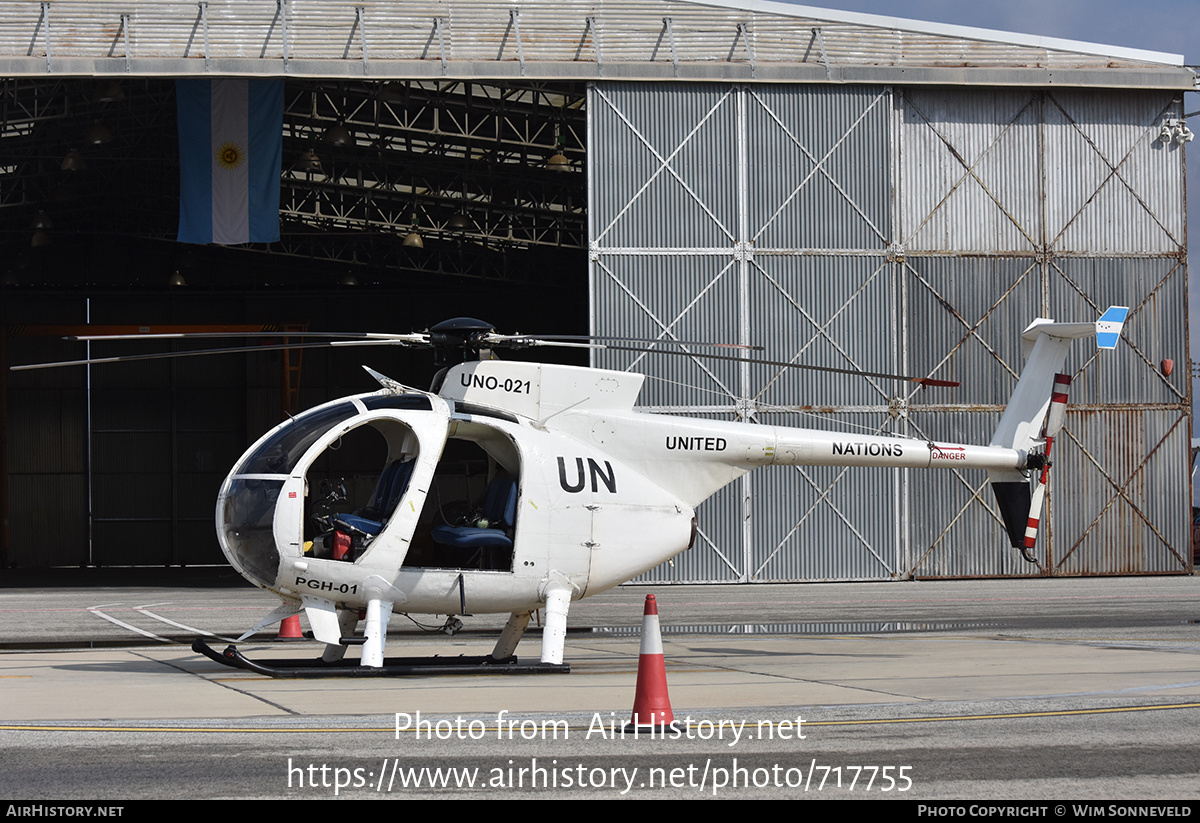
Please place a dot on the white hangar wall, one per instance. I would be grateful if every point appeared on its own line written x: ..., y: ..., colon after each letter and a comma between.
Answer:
x: 907, y: 230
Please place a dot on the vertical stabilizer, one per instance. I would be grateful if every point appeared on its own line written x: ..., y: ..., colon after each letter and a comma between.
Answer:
x: 1026, y: 425
x: 1046, y: 344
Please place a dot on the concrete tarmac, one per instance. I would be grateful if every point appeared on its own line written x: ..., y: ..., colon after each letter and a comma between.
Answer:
x: 1010, y: 690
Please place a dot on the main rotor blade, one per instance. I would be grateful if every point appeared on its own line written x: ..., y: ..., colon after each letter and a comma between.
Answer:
x: 582, y: 339
x: 924, y: 381
x: 416, y: 338
x: 130, y: 358
x: 422, y: 338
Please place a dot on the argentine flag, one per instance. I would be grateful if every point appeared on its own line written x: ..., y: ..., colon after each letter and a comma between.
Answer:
x: 230, y: 154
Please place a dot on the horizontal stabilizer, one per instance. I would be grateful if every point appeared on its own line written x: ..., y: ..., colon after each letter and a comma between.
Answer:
x: 1046, y: 343
x: 1108, y: 327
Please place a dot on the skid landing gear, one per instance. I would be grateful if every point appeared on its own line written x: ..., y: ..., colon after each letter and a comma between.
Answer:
x: 391, y: 667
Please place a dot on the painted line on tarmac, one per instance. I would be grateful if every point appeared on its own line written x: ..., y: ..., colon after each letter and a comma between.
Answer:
x: 145, y: 610
x: 392, y: 730
x: 96, y: 611
x: 1009, y: 716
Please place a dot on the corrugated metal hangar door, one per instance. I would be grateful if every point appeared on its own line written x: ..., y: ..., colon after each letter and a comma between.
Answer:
x: 901, y: 231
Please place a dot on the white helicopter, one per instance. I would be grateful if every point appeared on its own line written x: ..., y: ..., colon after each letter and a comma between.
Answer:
x: 512, y: 487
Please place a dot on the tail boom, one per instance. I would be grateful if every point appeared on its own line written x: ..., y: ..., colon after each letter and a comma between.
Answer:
x: 808, y: 447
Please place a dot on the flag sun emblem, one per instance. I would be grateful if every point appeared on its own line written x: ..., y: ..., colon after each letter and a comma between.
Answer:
x: 231, y: 156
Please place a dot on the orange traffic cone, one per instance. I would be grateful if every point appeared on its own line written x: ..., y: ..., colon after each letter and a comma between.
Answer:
x: 651, y: 704
x: 289, y: 628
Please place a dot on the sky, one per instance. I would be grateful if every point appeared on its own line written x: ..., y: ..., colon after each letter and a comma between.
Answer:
x: 1156, y: 25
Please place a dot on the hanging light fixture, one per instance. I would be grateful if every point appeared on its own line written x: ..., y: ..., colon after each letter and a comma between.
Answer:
x: 98, y: 134
x: 309, y: 162
x: 338, y: 135
x: 459, y: 222
x: 110, y: 91
x: 41, y: 225
x: 413, y: 239
x: 73, y: 161
x: 559, y: 161
x: 393, y: 92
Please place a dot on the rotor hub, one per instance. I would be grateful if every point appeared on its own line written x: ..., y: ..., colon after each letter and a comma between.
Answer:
x: 466, y: 334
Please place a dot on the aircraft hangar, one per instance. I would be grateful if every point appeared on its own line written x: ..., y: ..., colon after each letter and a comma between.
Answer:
x: 846, y: 190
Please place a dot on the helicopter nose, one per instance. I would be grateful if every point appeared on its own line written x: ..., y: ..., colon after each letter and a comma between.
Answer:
x: 245, y: 517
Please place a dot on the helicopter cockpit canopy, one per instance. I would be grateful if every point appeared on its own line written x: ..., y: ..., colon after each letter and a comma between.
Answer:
x: 264, y: 511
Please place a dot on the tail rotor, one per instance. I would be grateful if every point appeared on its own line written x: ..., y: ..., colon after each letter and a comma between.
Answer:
x: 1055, y: 417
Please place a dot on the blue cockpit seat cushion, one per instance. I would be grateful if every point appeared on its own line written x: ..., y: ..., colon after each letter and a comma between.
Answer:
x: 471, y: 537
x: 363, y: 525
x: 500, y: 503
x: 499, y: 509
x: 392, y: 484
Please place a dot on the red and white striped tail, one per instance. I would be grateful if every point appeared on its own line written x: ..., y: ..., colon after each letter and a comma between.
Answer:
x: 1058, y: 404
x: 1055, y: 417
x: 1035, y: 513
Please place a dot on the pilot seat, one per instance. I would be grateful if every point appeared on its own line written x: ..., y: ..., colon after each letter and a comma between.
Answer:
x: 486, y: 540
x: 369, y: 521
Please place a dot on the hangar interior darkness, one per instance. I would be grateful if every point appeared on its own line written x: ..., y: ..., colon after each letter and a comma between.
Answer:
x: 467, y: 164
x: 490, y: 177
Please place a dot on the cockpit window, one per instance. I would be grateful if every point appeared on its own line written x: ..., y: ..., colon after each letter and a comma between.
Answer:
x: 392, y: 401
x: 246, y: 520
x: 280, y: 453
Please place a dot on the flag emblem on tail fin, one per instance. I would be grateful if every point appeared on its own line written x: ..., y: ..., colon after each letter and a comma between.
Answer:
x: 1108, y: 327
